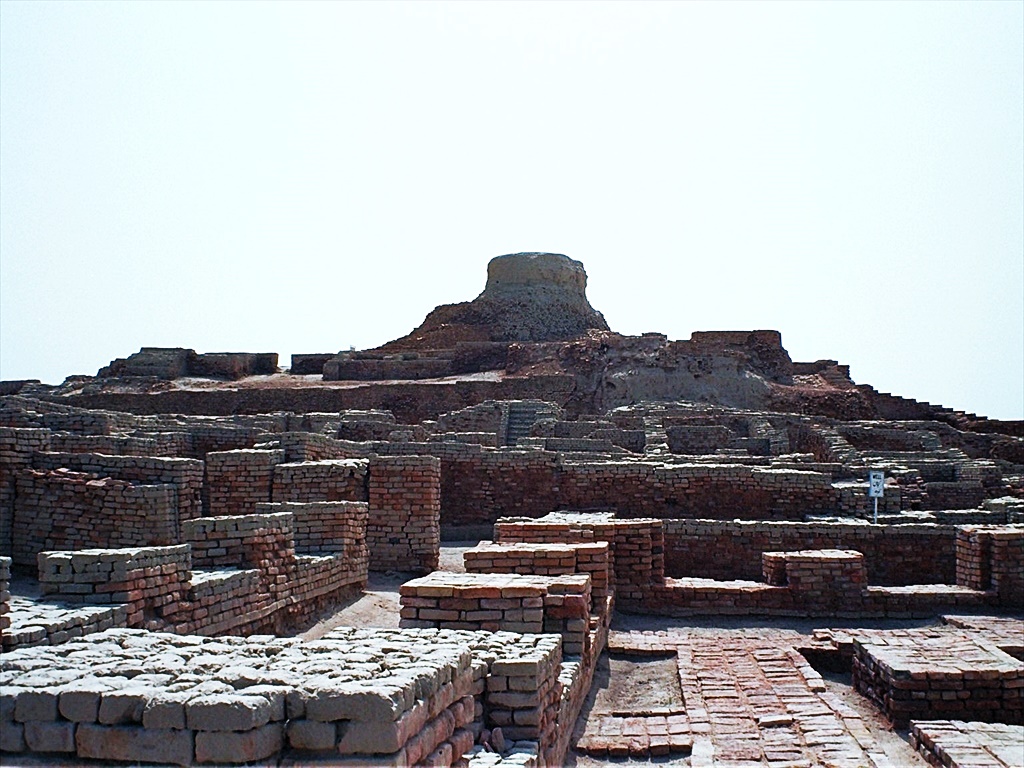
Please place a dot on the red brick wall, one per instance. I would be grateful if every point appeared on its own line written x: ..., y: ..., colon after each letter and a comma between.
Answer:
x: 72, y: 510
x: 893, y: 555
x: 326, y: 480
x: 404, y: 528
x: 236, y: 481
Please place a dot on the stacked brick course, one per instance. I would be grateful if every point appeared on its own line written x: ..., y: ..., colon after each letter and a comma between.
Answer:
x: 17, y: 447
x: 894, y: 555
x: 832, y: 579
x: 547, y: 560
x: 393, y: 697
x: 325, y: 526
x: 404, y: 529
x: 5, y: 596
x: 922, y: 675
x: 989, y: 557
x: 236, y: 481
x: 71, y: 510
x: 523, y: 695
x: 152, y: 581
x: 185, y: 475
x: 960, y: 744
x: 324, y: 480
x: 504, y: 602
x: 637, y: 546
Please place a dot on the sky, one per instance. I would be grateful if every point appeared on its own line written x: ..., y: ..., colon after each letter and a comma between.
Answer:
x: 310, y: 177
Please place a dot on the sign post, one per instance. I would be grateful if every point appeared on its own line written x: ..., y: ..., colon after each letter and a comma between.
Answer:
x: 876, y: 488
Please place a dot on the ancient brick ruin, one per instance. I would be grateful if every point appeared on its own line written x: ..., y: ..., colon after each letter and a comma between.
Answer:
x: 632, y: 521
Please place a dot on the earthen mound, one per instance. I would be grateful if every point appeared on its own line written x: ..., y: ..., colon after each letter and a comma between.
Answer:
x: 528, y: 297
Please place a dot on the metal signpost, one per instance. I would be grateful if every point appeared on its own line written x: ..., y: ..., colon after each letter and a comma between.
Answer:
x: 876, y: 487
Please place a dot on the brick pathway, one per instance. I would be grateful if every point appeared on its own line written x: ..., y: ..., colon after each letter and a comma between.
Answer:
x: 749, y: 701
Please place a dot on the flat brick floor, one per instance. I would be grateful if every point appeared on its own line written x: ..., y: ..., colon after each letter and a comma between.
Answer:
x: 749, y: 701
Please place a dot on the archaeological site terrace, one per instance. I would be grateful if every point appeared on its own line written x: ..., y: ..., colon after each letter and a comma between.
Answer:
x: 510, y: 538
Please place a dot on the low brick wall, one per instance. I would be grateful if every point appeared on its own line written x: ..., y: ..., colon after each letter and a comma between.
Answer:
x: 5, y: 596
x: 206, y: 701
x: 830, y: 579
x: 502, y: 603
x: 152, y: 581
x: 636, y: 545
x: 910, y: 677
x: 17, y: 447
x: 248, y: 577
x: 957, y: 743
x: 894, y: 555
x: 404, y: 529
x: 820, y: 582
x: 992, y: 558
x: 547, y: 560
x: 320, y: 527
x: 242, y: 541
x: 185, y: 475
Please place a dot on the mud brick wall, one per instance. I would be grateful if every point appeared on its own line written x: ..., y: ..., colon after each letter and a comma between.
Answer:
x: 236, y: 481
x: 698, y: 439
x: 568, y: 444
x: 481, y: 486
x: 325, y: 526
x: 227, y: 602
x: 852, y: 499
x: 485, y: 417
x: 341, y: 369
x: 958, y: 743
x: 5, y: 596
x: 152, y: 581
x: 961, y: 494
x: 547, y: 560
x: 893, y: 555
x: 992, y: 557
x: 17, y: 447
x: 326, y: 480
x: 637, y: 546
x: 489, y: 439
x: 404, y: 528
x: 61, y: 509
x: 214, y: 437
x: 184, y: 475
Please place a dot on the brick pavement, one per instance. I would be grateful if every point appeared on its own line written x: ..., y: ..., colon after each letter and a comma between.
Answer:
x: 750, y: 700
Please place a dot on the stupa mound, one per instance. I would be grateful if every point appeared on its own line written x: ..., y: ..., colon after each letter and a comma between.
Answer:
x: 529, y: 297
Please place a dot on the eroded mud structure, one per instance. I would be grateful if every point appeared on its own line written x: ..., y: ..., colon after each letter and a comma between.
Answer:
x: 638, y: 519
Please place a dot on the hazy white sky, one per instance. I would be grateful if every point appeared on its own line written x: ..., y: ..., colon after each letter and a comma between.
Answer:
x: 305, y: 177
